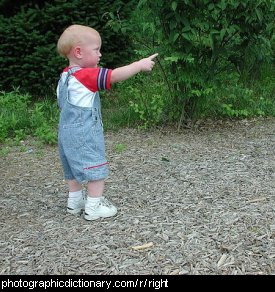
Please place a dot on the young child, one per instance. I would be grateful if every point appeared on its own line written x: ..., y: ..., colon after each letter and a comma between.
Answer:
x: 80, y: 135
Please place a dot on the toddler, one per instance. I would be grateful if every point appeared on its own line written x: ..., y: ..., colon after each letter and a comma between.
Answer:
x: 80, y: 133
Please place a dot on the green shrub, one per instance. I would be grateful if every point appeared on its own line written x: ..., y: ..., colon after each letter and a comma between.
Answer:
x: 199, y: 41
x: 232, y: 98
x: 139, y: 101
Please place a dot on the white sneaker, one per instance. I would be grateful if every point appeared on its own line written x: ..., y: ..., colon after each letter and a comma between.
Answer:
x: 76, y: 206
x: 103, y: 209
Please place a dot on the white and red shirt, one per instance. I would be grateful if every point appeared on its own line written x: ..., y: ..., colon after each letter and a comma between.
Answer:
x: 85, y: 83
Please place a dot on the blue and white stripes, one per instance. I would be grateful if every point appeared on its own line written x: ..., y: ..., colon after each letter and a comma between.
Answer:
x: 102, y: 78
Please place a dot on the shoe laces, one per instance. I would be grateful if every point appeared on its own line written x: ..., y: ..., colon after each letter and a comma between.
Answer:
x: 105, y: 202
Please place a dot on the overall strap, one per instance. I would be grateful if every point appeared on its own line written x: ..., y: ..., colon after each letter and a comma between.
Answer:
x: 63, y: 86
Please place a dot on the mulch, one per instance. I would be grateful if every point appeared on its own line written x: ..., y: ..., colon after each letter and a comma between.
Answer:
x: 198, y: 201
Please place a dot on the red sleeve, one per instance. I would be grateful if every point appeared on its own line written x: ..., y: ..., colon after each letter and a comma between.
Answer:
x: 94, y: 78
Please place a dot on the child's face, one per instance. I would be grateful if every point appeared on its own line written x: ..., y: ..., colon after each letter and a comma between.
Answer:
x: 91, y: 52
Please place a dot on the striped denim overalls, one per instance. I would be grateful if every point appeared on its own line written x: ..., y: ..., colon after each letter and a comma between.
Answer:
x: 80, y: 137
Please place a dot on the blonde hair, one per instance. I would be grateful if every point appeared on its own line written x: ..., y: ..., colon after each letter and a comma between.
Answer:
x: 74, y: 35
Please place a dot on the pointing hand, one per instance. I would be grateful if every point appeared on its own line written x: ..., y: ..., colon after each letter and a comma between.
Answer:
x: 147, y: 64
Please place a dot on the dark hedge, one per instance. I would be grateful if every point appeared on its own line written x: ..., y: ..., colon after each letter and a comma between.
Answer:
x: 29, y: 33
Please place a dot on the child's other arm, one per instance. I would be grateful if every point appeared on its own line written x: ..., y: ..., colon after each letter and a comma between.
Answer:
x: 125, y: 72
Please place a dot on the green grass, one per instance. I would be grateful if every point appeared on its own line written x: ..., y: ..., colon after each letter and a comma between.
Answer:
x: 19, y: 117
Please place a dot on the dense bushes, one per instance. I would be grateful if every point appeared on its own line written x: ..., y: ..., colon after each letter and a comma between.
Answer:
x: 202, y: 43
x: 29, y: 33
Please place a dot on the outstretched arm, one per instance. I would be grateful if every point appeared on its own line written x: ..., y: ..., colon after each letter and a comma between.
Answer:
x: 125, y: 72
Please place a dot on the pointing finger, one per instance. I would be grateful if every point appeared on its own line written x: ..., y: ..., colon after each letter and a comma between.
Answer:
x: 153, y: 56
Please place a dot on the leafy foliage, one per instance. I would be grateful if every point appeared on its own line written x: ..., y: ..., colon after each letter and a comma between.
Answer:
x: 201, y: 40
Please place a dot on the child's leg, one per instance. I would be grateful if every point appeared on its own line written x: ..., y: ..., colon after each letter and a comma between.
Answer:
x: 74, y: 186
x: 96, y: 205
x: 95, y: 188
x: 76, y: 200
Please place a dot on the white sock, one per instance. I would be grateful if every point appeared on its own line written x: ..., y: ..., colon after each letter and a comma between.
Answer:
x: 93, y: 201
x: 75, y: 195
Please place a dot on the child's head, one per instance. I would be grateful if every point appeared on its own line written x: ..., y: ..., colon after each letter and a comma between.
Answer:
x: 80, y: 45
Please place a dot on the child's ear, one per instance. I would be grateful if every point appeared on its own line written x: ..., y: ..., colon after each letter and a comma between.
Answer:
x: 77, y: 52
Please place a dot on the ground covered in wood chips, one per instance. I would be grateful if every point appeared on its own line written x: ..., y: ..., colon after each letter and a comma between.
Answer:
x: 198, y: 201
